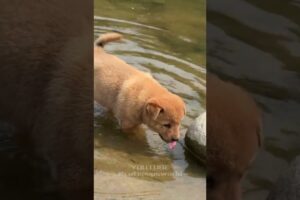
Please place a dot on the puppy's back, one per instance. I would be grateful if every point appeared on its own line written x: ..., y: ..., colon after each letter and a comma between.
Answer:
x: 110, y: 73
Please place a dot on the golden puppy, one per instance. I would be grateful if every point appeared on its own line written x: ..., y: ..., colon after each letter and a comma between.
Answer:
x: 233, y: 129
x: 134, y: 96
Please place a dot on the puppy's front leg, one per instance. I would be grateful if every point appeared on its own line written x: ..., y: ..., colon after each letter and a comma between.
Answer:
x: 128, y: 126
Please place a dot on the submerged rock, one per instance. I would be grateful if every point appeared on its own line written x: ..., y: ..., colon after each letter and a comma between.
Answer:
x: 195, y: 138
x: 287, y: 186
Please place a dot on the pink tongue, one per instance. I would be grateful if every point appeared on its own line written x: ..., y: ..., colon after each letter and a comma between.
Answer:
x: 172, y: 145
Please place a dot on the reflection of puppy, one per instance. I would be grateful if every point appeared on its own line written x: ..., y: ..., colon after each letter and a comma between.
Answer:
x: 233, y: 129
x: 134, y: 96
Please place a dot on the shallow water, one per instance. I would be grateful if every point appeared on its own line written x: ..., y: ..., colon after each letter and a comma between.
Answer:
x: 162, y: 39
x: 256, y: 45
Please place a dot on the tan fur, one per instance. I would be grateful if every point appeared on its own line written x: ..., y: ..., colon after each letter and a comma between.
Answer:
x: 108, y: 37
x: 135, y: 97
x: 233, y: 129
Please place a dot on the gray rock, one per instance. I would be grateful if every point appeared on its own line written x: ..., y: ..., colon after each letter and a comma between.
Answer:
x: 287, y: 186
x: 195, y: 139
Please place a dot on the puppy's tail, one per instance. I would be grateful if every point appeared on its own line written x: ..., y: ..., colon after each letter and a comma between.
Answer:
x: 108, y: 37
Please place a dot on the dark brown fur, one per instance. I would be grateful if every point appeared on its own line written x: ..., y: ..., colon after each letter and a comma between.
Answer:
x: 46, y: 85
x: 233, y: 131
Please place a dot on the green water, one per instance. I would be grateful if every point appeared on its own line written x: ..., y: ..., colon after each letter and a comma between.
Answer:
x: 166, y: 38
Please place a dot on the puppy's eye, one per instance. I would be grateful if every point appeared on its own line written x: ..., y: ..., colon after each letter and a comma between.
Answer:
x: 167, y: 125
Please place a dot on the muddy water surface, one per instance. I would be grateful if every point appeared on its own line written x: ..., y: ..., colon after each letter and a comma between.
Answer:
x: 166, y: 39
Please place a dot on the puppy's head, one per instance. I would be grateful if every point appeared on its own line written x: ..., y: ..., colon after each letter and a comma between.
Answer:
x: 163, y: 115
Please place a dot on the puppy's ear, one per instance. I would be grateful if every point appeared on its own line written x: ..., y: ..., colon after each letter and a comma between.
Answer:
x: 153, y: 108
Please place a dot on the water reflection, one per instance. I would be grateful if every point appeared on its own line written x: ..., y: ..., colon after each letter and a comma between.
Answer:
x: 167, y: 45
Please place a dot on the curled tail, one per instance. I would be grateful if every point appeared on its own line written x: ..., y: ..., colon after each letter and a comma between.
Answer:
x: 108, y: 37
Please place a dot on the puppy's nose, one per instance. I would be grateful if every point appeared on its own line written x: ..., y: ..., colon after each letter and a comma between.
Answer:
x: 174, y: 139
